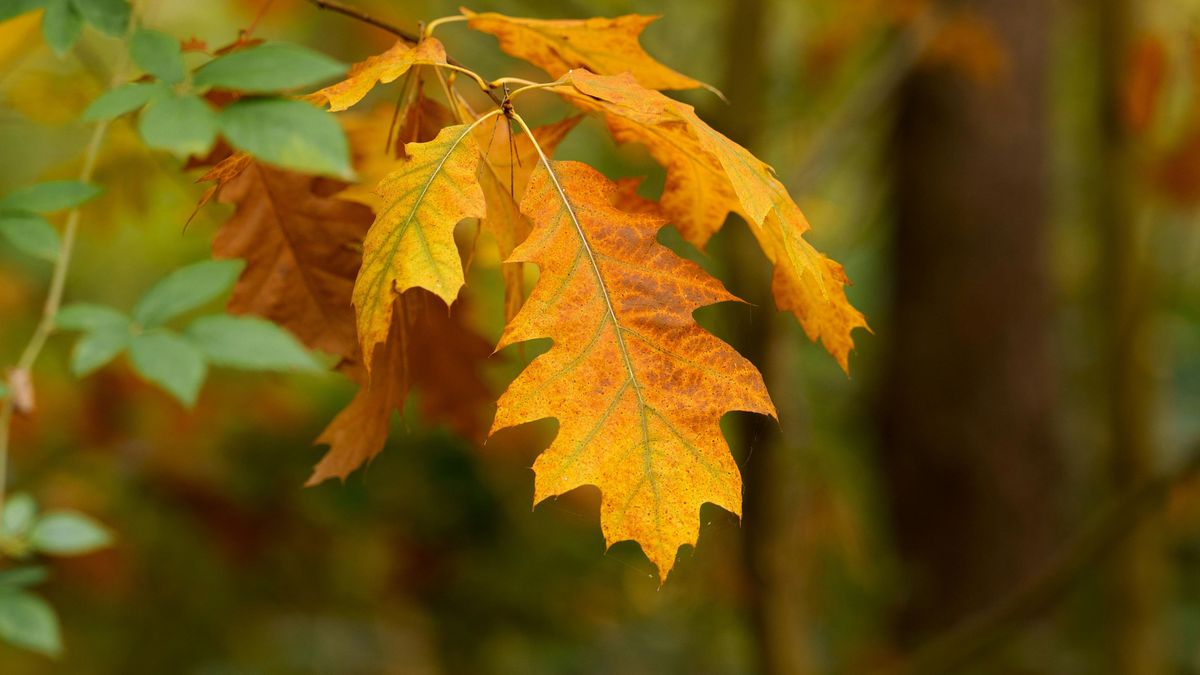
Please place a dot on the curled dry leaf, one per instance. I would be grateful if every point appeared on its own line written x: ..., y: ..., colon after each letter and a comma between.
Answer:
x: 618, y: 306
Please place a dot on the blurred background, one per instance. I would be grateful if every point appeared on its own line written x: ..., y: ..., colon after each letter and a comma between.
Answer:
x: 1013, y: 187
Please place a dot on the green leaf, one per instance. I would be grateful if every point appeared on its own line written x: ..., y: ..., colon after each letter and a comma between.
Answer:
x: 185, y: 289
x: 31, y: 234
x: 123, y: 99
x: 107, y: 16
x: 29, y: 622
x: 248, y: 342
x: 185, y: 125
x: 11, y: 8
x: 290, y: 134
x: 97, y: 349
x: 268, y: 68
x: 22, y: 577
x: 68, y: 533
x: 86, y: 316
x: 3, y: 390
x: 158, y: 54
x: 20, y: 510
x: 54, y: 195
x: 170, y: 362
x: 61, y: 25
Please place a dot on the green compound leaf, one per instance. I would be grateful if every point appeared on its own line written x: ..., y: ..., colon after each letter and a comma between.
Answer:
x: 291, y: 134
x: 249, y: 343
x: 158, y: 54
x: 269, y: 68
x: 184, y: 125
x: 171, y: 362
x: 184, y: 290
x: 54, y: 195
x: 68, y: 533
x: 31, y: 234
x: 29, y: 622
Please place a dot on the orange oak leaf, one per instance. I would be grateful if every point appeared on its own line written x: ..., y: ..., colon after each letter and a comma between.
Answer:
x: 637, y: 387
x: 431, y: 350
x: 606, y: 46
x: 300, y: 244
x: 411, y: 244
x: 709, y: 176
x: 380, y: 69
x: 510, y: 160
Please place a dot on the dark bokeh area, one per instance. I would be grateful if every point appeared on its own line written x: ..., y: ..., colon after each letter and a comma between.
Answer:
x: 1001, y: 485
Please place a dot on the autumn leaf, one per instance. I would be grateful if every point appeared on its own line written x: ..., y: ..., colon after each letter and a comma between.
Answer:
x: 357, y: 434
x: 708, y: 176
x: 430, y: 349
x: 380, y: 69
x: 419, y: 121
x: 301, y: 247
x: 411, y: 244
x: 618, y: 307
x: 446, y: 360
x: 605, y: 46
x: 510, y: 160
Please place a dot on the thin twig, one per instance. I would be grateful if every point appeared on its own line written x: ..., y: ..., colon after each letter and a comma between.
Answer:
x: 983, y: 632
x: 346, y: 10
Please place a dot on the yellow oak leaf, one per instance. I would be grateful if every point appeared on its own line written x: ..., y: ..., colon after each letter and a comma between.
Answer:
x: 638, y: 388
x: 411, y: 243
x: 380, y: 69
x: 709, y: 176
x: 606, y: 46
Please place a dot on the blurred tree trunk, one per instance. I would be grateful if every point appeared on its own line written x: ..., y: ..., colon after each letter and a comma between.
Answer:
x: 1125, y: 280
x: 770, y: 578
x: 966, y: 408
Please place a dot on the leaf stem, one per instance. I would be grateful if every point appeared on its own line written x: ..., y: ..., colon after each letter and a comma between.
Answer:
x: 533, y: 86
x: 483, y: 84
x: 58, y: 279
x: 445, y: 19
x: 501, y: 81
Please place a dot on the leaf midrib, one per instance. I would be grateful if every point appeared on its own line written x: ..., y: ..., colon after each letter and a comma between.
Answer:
x: 617, y: 327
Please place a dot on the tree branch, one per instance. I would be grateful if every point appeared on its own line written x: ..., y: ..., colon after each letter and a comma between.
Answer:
x: 346, y: 10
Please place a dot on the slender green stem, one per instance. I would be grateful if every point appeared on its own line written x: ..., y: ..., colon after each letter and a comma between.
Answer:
x: 58, y: 282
